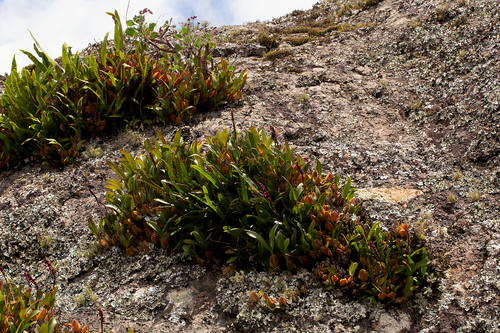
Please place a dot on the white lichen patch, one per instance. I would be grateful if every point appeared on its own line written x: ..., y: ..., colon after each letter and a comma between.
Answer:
x: 387, y: 322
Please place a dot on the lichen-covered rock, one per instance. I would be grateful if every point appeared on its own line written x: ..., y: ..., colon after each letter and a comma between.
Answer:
x: 405, y: 103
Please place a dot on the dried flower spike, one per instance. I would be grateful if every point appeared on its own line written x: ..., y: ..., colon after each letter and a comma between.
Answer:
x: 48, y: 264
x: 274, y: 135
x: 3, y: 273
x: 30, y: 280
x: 101, y: 319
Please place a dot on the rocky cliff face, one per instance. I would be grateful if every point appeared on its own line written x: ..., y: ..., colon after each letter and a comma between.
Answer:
x: 403, y: 96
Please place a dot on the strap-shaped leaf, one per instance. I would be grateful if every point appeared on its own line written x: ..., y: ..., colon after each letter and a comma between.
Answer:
x: 243, y: 175
x: 205, y: 174
x: 104, y: 45
x: 93, y: 228
x: 261, y: 240
x: 116, y: 169
x: 420, y: 264
x: 347, y: 188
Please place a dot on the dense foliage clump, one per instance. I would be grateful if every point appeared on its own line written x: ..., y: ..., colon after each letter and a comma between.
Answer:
x: 52, y: 108
x: 246, y: 198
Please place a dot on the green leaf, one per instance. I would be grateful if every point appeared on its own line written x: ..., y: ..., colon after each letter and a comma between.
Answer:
x: 243, y: 175
x: 352, y: 268
x: 421, y: 263
x: 374, y: 228
x: 177, y: 138
x: 230, y: 260
x: 93, y: 228
x: 130, y: 31
x: 205, y: 174
x: 408, y: 285
x: 52, y: 62
x: 347, y: 188
x: 116, y: 169
x: 272, y: 232
x: 211, y: 204
x: 244, y: 192
x: 261, y: 240
x: 104, y: 49
x: 318, y: 167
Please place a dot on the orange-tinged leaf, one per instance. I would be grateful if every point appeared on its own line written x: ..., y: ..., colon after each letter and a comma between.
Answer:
x: 131, y: 250
x: 76, y: 326
x: 254, y: 296
x: 103, y: 244
x: 41, y: 315
x: 363, y: 276
x: 274, y: 261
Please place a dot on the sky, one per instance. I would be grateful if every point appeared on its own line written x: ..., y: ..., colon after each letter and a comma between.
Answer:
x: 79, y: 23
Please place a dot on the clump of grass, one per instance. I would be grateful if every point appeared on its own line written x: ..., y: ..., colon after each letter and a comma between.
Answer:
x: 93, y: 152
x: 92, y: 296
x: 451, y: 198
x: 416, y: 104
x: 295, y: 70
x: 303, y: 99
x: 473, y: 195
x: 297, y: 41
x: 205, y: 24
x: 461, y: 54
x: 355, y: 5
x: 414, y: 23
x: 384, y: 83
x: 301, y: 29
x: 45, y: 240
x: 443, y: 12
x: 80, y: 299
x: 82, y: 96
x: 457, y: 175
x: 269, y: 41
x: 250, y: 201
x: 278, y: 54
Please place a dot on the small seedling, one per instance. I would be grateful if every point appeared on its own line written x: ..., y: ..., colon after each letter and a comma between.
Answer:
x: 451, y: 198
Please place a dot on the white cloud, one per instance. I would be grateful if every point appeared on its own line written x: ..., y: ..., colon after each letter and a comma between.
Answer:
x: 80, y: 22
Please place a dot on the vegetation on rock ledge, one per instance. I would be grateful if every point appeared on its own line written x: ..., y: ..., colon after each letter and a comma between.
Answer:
x: 247, y: 199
